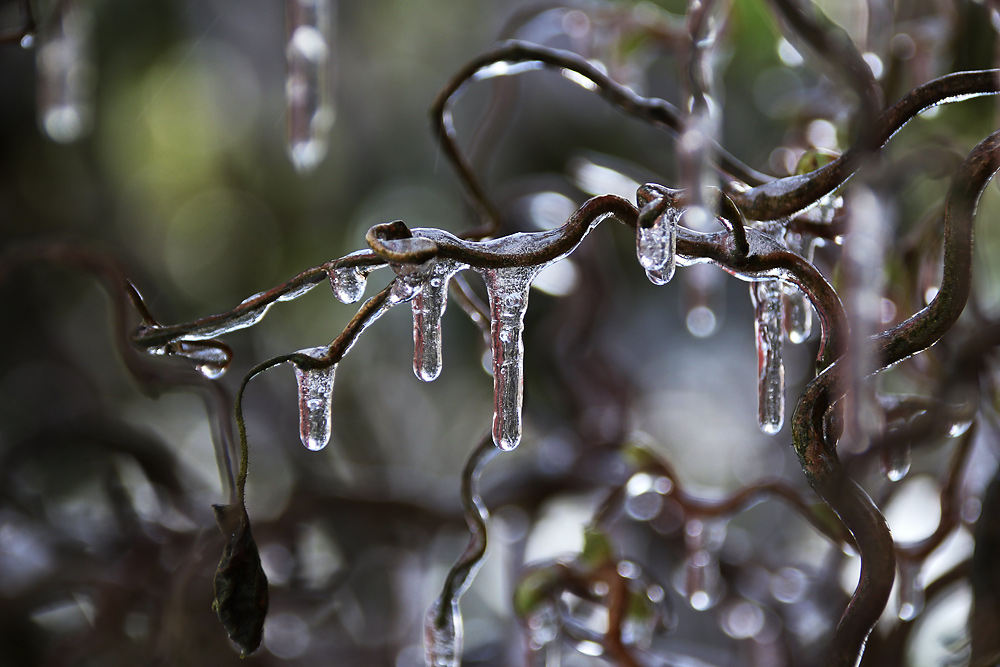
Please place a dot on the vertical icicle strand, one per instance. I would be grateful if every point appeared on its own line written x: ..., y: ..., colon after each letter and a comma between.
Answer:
x: 508, y: 291
x: 307, y: 84
x: 66, y: 73
x: 768, y: 324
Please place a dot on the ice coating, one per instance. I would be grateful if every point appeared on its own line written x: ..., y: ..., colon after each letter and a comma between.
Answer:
x: 428, y: 308
x: 508, y: 291
x: 66, y: 73
x: 656, y: 246
x: 315, y: 401
x: 443, y: 636
x: 307, y: 89
x: 297, y: 292
x: 768, y: 324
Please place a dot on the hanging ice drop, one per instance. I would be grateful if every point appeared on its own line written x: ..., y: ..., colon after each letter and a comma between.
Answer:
x: 307, y: 53
x: 428, y: 308
x: 443, y: 635
x: 315, y: 401
x: 656, y: 246
x: 798, y: 309
x: 911, y: 590
x: 508, y: 291
x: 894, y: 460
x: 348, y: 282
x: 66, y: 72
x: 768, y: 324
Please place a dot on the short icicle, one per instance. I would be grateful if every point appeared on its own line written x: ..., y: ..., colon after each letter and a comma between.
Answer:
x: 315, y: 401
x: 66, y: 72
x: 508, y: 291
x: 768, y: 324
x: 656, y: 246
x: 428, y: 308
x: 307, y: 86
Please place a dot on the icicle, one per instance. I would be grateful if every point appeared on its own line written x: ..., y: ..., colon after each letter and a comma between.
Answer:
x: 798, y: 310
x: 911, y: 590
x: 428, y: 308
x: 348, y: 282
x: 66, y: 73
x: 443, y: 636
x: 508, y: 291
x: 768, y: 322
x: 307, y: 87
x: 894, y: 460
x: 315, y: 401
x: 656, y: 246
x: 703, y: 582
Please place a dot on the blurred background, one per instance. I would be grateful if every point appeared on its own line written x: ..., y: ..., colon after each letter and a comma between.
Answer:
x: 161, y: 134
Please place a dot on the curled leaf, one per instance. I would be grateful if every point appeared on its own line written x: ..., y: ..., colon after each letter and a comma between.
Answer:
x: 240, y: 583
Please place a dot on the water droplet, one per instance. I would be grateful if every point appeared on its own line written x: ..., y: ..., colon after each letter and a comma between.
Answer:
x: 959, y: 428
x: 768, y: 324
x: 310, y: 112
x: 315, y: 401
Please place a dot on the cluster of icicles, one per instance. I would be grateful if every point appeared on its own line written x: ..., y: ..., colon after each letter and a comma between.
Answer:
x: 425, y: 287
x: 67, y: 76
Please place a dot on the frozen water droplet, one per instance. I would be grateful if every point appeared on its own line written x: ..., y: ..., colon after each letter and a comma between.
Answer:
x: 28, y: 40
x: 508, y: 291
x: 656, y: 246
x: 209, y: 359
x: 310, y: 112
x: 443, y: 635
x: 65, y: 73
x: 768, y: 324
x: 894, y: 460
x: 348, y: 282
x: 911, y: 590
x: 315, y: 401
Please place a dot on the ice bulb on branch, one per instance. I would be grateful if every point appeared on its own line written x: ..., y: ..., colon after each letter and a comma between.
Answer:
x: 428, y: 309
x: 307, y: 86
x: 656, y: 246
x: 443, y: 635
